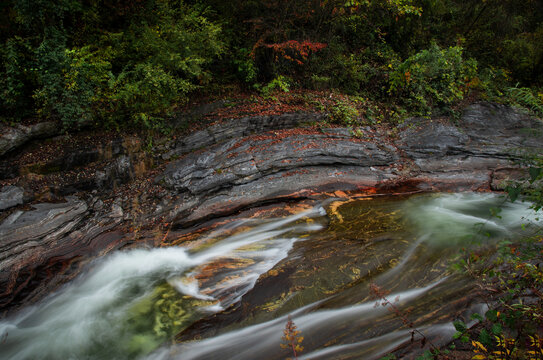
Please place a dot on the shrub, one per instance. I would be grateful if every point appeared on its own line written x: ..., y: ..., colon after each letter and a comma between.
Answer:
x: 17, y: 78
x: 526, y: 98
x: 136, y: 75
x: 433, y: 77
x: 244, y: 65
x: 281, y: 83
x: 344, y: 113
x: 493, y: 81
x: 147, y: 93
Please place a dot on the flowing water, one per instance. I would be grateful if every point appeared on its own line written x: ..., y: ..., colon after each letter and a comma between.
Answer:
x: 229, y: 294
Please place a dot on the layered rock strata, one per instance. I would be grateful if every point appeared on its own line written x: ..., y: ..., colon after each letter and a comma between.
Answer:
x: 244, y: 163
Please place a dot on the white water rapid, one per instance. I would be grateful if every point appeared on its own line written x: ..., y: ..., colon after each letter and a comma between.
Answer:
x: 131, y: 304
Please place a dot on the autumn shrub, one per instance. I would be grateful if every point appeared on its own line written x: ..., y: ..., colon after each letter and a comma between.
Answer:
x: 433, y: 78
x: 290, y: 58
x: 291, y: 338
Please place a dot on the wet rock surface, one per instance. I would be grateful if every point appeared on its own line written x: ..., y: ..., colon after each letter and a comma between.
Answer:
x: 434, y: 154
x: 232, y: 166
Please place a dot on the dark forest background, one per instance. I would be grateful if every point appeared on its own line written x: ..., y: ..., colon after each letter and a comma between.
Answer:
x: 134, y: 62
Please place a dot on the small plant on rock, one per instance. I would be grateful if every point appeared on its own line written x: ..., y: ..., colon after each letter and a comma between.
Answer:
x: 292, y: 339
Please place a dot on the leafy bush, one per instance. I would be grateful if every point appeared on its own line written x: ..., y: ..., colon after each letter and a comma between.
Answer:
x: 136, y: 75
x: 245, y: 67
x: 147, y: 93
x: 433, y: 77
x: 16, y: 78
x: 281, y: 83
x: 160, y: 63
x: 526, y: 98
x: 52, y: 96
x: 493, y: 82
x: 344, y: 113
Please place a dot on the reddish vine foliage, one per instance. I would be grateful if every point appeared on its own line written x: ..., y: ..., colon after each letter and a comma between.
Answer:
x: 293, y: 50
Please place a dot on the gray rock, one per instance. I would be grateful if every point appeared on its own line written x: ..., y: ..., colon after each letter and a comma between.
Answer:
x: 495, y: 117
x: 116, y: 211
x: 239, y: 162
x: 119, y: 171
x: 24, y: 230
x: 11, y: 196
x: 433, y: 139
x: 238, y: 128
x: 14, y: 137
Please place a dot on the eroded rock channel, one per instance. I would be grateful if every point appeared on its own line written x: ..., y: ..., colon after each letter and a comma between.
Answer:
x: 237, y: 168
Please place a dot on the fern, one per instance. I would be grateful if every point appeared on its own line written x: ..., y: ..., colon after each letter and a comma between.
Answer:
x: 525, y: 97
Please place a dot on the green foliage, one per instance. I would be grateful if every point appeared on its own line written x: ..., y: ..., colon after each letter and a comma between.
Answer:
x: 364, y: 72
x: 17, y: 80
x: 530, y: 188
x: 245, y: 66
x: 92, y: 61
x: 147, y: 93
x: 160, y: 63
x: 493, y: 83
x: 524, y: 54
x: 510, y: 327
x: 344, y: 113
x: 433, y: 77
x: 134, y: 76
x: 526, y: 98
x: 461, y: 331
x: 281, y: 83
x: 52, y: 96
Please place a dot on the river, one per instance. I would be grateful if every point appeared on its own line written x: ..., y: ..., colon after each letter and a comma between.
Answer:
x: 229, y: 294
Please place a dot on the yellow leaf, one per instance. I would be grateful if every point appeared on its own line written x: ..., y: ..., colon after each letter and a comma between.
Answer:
x: 479, y: 357
x: 478, y: 345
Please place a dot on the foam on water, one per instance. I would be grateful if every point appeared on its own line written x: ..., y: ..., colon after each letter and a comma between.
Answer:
x: 86, y: 316
x: 96, y: 316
